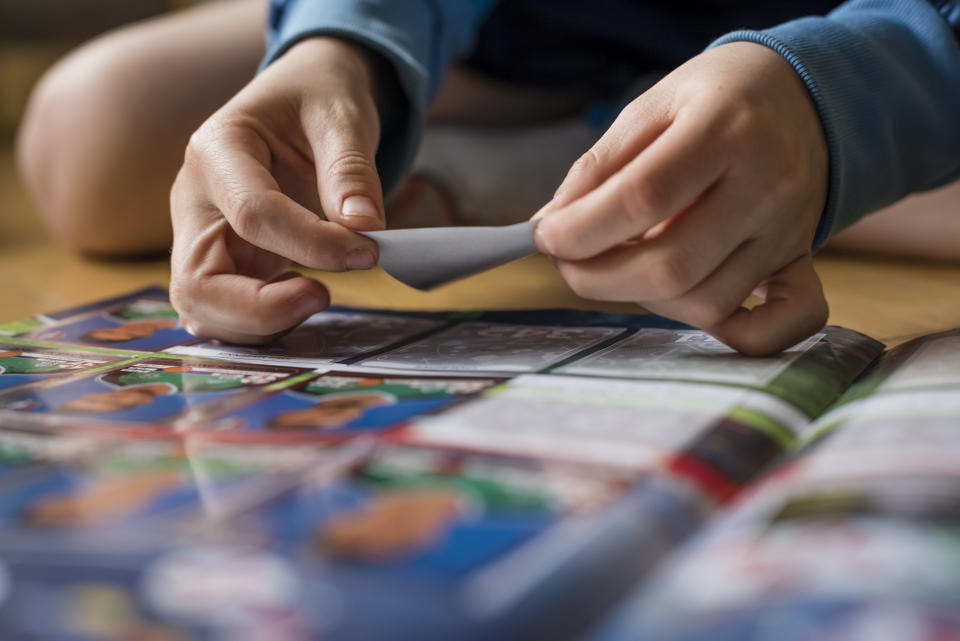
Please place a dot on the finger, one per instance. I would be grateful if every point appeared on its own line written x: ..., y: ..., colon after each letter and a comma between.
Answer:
x: 719, y: 295
x: 667, y: 264
x: 793, y: 309
x: 203, y: 244
x: 344, y: 144
x: 240, y: 186
x: 635, y: 128
x: 247, y: 310
x: 201, y: 330
x: 663, y: 180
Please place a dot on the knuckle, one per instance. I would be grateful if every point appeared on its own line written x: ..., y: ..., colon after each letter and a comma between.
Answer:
x: 343, y: 114
x: 581, y: 282
x: 329, y: 257
x: 585, y: 164
x: 200, y: 142
x: 182, y: 296
x: 670, y: 275
x: 737, y: 125
x: 179, y: 192
x: 640, y: 197
x: 350, y: 165
x: 242, y: 210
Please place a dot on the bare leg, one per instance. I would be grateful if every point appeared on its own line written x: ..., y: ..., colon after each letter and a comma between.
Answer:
x: 921, y: 226
x: 106, y: 128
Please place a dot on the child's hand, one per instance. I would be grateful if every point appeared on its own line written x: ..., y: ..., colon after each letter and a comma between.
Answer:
x: 706, y: 188
x: 299, y: 139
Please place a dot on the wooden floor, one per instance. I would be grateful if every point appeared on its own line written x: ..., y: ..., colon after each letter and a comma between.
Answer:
x: 888, y: 299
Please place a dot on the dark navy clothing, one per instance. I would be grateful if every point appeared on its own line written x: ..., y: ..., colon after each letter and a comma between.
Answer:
x: 605, y: 45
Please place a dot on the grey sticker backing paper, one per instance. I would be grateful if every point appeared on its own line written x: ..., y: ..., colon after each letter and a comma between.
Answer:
x: 431, y: 256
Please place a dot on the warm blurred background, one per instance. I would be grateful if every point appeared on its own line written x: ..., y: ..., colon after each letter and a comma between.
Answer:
x: 34, y: 34
x: 37, y: 274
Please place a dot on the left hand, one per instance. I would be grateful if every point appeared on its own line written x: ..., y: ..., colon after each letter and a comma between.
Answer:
x: 706, y: 188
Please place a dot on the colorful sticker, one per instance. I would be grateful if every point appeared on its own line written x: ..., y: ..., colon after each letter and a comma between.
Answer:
x: 152, y: 390
x: 340, y: 404
x: 21, y: 364
x: 146, y: 324
x: 433, y: 512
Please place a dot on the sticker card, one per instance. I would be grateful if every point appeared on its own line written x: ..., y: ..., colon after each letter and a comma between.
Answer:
x: 146, y: 323
x: 493, y: 347
x: 340, y: 404
x: 429, y: 512
x: 21, y: 364
x: 111, y: 492
x: 149, y: 391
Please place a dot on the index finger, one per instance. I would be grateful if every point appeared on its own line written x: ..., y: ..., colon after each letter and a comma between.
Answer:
x: 664, y: 179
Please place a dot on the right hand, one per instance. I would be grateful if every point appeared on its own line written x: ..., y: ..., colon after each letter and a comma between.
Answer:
x: 298, y: 141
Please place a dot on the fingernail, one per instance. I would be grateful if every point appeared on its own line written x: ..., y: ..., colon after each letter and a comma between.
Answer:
x: 541, y: 241
x: 547, y: 208
x: 540, y: 212
x: 361, y: 259
x: 359, y: 207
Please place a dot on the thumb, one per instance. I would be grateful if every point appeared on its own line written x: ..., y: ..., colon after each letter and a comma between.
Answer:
x: 344, y: 147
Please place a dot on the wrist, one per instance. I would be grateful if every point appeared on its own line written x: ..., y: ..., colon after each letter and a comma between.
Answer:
x: 353, y: 62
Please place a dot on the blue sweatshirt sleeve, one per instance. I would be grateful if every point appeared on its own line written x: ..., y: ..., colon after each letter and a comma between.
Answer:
x: 885, y: 78
x: 419, y: 38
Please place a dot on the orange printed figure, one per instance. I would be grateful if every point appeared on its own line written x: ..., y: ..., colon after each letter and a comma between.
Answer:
x: 101, y: 500
x: 140, y: 328
x: 116, y: 400
x: 393, y: 524
x: 331, y: 411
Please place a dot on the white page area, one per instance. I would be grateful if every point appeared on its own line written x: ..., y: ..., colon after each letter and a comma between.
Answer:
x: 686, y: 355
x: 620, y: 423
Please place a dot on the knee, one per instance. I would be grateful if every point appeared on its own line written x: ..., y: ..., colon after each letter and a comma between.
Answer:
x: 76, y: 153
